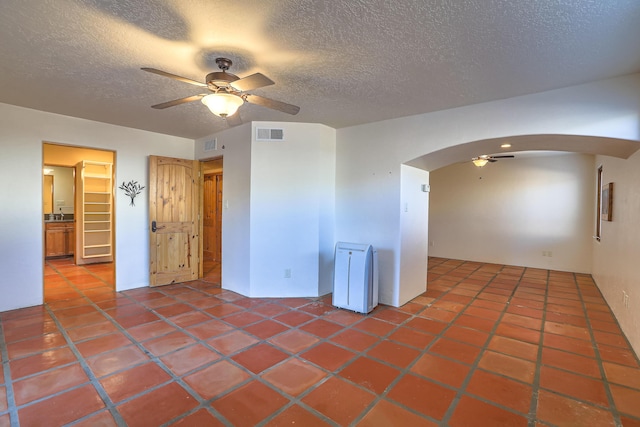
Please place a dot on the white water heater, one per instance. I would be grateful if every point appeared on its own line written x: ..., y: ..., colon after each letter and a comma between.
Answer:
x: 355, y: 277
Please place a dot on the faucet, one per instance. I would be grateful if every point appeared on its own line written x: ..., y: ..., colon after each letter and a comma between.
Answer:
x: 61, y: 215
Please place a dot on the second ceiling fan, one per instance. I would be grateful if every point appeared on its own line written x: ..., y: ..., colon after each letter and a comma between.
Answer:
x: 482, y: 160
x: 227, y: 92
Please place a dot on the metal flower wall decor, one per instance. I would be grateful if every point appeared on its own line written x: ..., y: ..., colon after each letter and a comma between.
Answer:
x: 131, y: 189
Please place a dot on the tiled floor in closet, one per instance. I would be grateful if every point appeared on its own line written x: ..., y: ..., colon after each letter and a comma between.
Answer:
x: 487, y: 345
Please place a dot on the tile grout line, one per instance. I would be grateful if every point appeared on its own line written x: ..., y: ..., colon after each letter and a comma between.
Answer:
x: 423, y: 351
x: 474, y: 365
x: 152, y: 358
x: 257, y: 377
x: 296, y: 308
x: 539, y: 365
x: 612, y: 406
x: 407, y: 369
x: 591, y: 341
x: 12, y: 409
x: 229, y: 357
x: 202, y: 403
x: 296, y: 400
x: 253, y: 376
x: 535, y: 387
x: 456, y: 399
x: 462, y: 389
x: 93, y: 380
x: 206, y: 404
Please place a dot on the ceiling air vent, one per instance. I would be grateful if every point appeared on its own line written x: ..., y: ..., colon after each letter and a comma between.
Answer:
x: 211, y: 145
x: 268, y: 134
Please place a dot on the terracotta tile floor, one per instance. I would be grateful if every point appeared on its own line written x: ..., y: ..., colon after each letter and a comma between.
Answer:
x: 487, y: 345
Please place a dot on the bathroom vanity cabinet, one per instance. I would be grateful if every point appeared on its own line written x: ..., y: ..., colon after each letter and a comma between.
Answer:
x: 59, y: 238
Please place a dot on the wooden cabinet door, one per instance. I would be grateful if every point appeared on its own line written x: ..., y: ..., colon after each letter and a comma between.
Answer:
x: 55, y: 242
x: 70, y: 239
x: 59, y: 239
x: 173, y: 220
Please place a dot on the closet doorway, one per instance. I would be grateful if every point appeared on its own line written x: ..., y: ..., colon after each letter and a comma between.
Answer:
x: 211, y: 172
x: 78, y: 221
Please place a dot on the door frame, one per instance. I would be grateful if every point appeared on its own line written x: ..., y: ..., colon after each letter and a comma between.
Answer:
x: 201, y: 172
x: 47, y: 160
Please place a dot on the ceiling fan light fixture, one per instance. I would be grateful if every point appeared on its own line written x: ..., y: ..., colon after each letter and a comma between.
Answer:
x: 223, y: 104
x: 480, y: 162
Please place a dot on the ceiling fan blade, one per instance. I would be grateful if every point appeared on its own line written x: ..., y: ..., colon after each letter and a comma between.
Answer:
x: 178, y: 101
x: 492, y: 160
x: 173, y: 76
x: 503, y: 157
x: 233, y: 120
x: 273, y: 104
x: 254, y: 81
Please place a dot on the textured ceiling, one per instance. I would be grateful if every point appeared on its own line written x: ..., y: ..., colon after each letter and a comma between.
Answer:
x: 344, y: 62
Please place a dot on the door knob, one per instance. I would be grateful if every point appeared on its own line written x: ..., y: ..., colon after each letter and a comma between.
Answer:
x: 154, y: 226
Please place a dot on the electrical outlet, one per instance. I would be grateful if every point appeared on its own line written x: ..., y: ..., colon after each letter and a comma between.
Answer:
x: 287, y: 273
x: 431, y: 243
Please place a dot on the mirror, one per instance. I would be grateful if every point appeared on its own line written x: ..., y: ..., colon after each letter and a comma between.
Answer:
x: 58, y: 194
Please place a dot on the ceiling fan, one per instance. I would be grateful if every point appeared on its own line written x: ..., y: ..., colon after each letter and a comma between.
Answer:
x: 227, y: 92
x: 483, y: 159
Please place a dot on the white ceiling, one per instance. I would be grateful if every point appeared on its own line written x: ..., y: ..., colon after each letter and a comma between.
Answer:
x: 344, y: 62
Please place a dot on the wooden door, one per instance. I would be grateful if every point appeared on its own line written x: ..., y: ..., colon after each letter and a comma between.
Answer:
x: 173, y: 220
x: 208, y: 208
x: 217, y: 227
x: 212, y: 210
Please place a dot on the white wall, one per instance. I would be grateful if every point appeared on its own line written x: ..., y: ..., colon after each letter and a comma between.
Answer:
x: 511, y: 211
x: 414, y: 227
x: 22, y: 132
x: 368, y: 181
x: 368, y: 202
x: 616, y: 256
x: 234, y: 145
x: 369, y: 156
x: 279, y: 215
x: 292, y: 199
